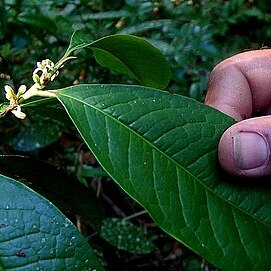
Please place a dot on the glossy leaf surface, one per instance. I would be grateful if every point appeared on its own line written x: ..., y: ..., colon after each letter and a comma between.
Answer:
x: 126, y: 54
x: 79, y: 40
x: 35, y: 235
x: 134, y: 56
x: 162, y: 150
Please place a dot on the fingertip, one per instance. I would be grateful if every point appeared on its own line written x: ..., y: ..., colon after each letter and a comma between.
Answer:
x: 225, y: 153
x: 244, y: 149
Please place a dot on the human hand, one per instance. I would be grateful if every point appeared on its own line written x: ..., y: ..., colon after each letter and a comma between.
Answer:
x: 240, y: 86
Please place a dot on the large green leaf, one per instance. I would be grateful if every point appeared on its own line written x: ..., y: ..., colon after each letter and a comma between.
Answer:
x: 162, y: 150
x: 126, y: 54
x: 36, y: 236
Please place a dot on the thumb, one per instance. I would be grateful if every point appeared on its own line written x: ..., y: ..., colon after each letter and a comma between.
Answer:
x: 244, y: 149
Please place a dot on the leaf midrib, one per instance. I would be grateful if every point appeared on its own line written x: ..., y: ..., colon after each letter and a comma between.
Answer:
x: 164, y: 154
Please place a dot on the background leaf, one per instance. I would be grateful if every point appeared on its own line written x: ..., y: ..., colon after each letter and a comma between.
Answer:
x: 41, y: 21
x: 36, y: 236
x: 67, y: 194
x: 37, y: 135
x: 155, y: 24
x: 124, y: 235
x: 106, y: 15
x: 162, y: 150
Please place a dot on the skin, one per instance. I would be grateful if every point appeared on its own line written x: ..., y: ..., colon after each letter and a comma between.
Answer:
x: 240, y: 86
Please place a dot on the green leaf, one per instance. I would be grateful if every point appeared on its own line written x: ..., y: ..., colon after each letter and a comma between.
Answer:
x: 3, y: 107
x: 162, y: 150
x: 80, y: 39
x: 38, y: 135
x: 135, y: 57
x: 124, y: 235
x: 149, y: 25
x: 41, y: 21
x: 106, y: 15
x: 126, y: 54
x: 62, y: 190
x: 37, y: 236
x: 47, y: 108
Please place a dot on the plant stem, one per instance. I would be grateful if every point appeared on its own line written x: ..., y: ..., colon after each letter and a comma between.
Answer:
x: 135, y: 215
x: 36, y: 91
x: 29, y: 93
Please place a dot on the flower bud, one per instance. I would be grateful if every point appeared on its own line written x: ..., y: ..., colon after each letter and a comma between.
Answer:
x: 9, y: 89
x: 9, y: 92
x: 21, y: 90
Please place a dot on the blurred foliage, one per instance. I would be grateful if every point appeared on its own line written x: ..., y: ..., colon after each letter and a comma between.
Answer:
x: 193, y: 35
x: 124, y: 235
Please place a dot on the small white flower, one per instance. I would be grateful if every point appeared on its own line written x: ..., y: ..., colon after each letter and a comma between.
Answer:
x: 17, y: 112
x: 43, y: 72
x: 13, y: 100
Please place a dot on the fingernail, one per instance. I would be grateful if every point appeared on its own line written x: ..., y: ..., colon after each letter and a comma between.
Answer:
x: 251, y: 150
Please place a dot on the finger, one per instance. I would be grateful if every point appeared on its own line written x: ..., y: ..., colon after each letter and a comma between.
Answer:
x: 244, y: 149
x: 240, y: 85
